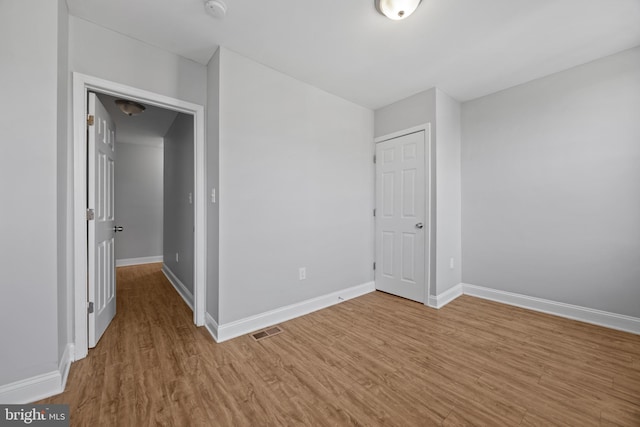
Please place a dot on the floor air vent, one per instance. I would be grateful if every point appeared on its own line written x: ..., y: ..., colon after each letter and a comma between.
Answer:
x: 266, y: 333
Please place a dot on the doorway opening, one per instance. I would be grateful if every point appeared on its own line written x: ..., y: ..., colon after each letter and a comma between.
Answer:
x: 154, y: 186
x: 194, y: 117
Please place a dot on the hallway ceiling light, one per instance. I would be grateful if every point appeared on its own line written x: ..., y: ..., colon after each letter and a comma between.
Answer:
x: 397, y: 9
x: 130, y: 108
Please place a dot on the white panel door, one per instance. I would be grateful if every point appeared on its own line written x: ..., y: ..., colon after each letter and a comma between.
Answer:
x: 101, y: 230
x: 401, y: 220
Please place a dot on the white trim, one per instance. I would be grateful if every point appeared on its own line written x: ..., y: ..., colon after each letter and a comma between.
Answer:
x: 398, y: 134
x: 65, y: 364
x: 40, y: 386
x: 186, y: 295
x: 212, y: 326
x: 583, y: 314
x: 81, y: 85
x: 200, y: 222
x: 426, y: 128
x: 31, y: 389
x: 227, y: 331
x: 125, y: 262
x: 446, y: 297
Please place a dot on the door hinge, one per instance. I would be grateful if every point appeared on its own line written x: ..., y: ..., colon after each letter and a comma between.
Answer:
x: 90, y: 215
x: 90, y: 307
x: 90, y: 120
x: 374, y: 158
x: 374, y: 265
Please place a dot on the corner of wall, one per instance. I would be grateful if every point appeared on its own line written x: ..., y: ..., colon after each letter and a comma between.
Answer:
x: 448, y: 193
x: 212, y: 326
x: 213, y: 189
x: 444, y: 298
x: 64, y: 266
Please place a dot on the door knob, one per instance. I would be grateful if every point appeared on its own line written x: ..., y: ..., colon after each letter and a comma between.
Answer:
x: 118, y: 228
x: 419, y: 226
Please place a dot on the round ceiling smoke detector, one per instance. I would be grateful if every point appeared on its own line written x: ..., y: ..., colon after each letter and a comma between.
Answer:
x: 216, y: 8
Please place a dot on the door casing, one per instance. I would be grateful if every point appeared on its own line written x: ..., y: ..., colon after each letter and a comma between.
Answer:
x: 426, y: 127
x: 82, y: 84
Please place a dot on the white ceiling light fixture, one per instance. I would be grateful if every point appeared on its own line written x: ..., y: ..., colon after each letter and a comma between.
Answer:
x: 216, y: 8
x: 397, y: 9
x: 130, y: 108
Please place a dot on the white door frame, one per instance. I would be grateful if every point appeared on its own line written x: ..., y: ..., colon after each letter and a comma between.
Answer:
x: 82, y: 84
x: 426, y: 127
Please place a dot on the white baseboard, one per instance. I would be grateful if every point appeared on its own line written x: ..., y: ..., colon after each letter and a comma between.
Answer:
x: 178, y: 285
x: 583, y: 314
x: 446, y: 297
x: 575, y: 312
x: 137, y: 261
x: 65, y: 364
x: 31, y: 389
x: 40, y: 386
x: 241, y: 327
x: 212, y: 326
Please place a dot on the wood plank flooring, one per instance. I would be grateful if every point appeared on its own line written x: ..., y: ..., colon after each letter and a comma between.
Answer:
x: 375, y: 360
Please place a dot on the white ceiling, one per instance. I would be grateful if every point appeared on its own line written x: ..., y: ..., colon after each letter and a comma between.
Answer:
x: 468, y: 48
x: 148, y: 128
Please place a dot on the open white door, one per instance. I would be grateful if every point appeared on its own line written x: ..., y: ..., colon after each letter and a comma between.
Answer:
x: 101, y: 229
x: 401, y: 224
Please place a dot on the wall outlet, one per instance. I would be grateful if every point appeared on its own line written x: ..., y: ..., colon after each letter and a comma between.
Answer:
x: 177, y: 257
x: 213, y: 195
x: 451, y: 264
x: 190, y: 198
x: 302, y: 273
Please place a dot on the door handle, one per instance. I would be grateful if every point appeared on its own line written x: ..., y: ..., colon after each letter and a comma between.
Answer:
x: 118, y: 228
x: 419, y: 226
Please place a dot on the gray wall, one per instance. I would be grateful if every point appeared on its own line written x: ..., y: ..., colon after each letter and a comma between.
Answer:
x: 139, y: 201
x: 213, y: 182
x: 448, y: 194
x: 443, y: 113
x: 32, y: 132
x: 103, y: 53
x: 178, y: 209
x: 406, y: 113
x: 64, y: 179
x: 296, y: 177
x: 551, y: 187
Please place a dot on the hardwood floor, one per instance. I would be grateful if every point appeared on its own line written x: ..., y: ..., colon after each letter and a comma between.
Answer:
x: 375, y: 360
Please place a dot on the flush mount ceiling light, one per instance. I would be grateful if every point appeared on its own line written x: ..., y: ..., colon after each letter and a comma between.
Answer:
x: 130, y: 108
x: 397, y: 9
x: 216, y: 8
